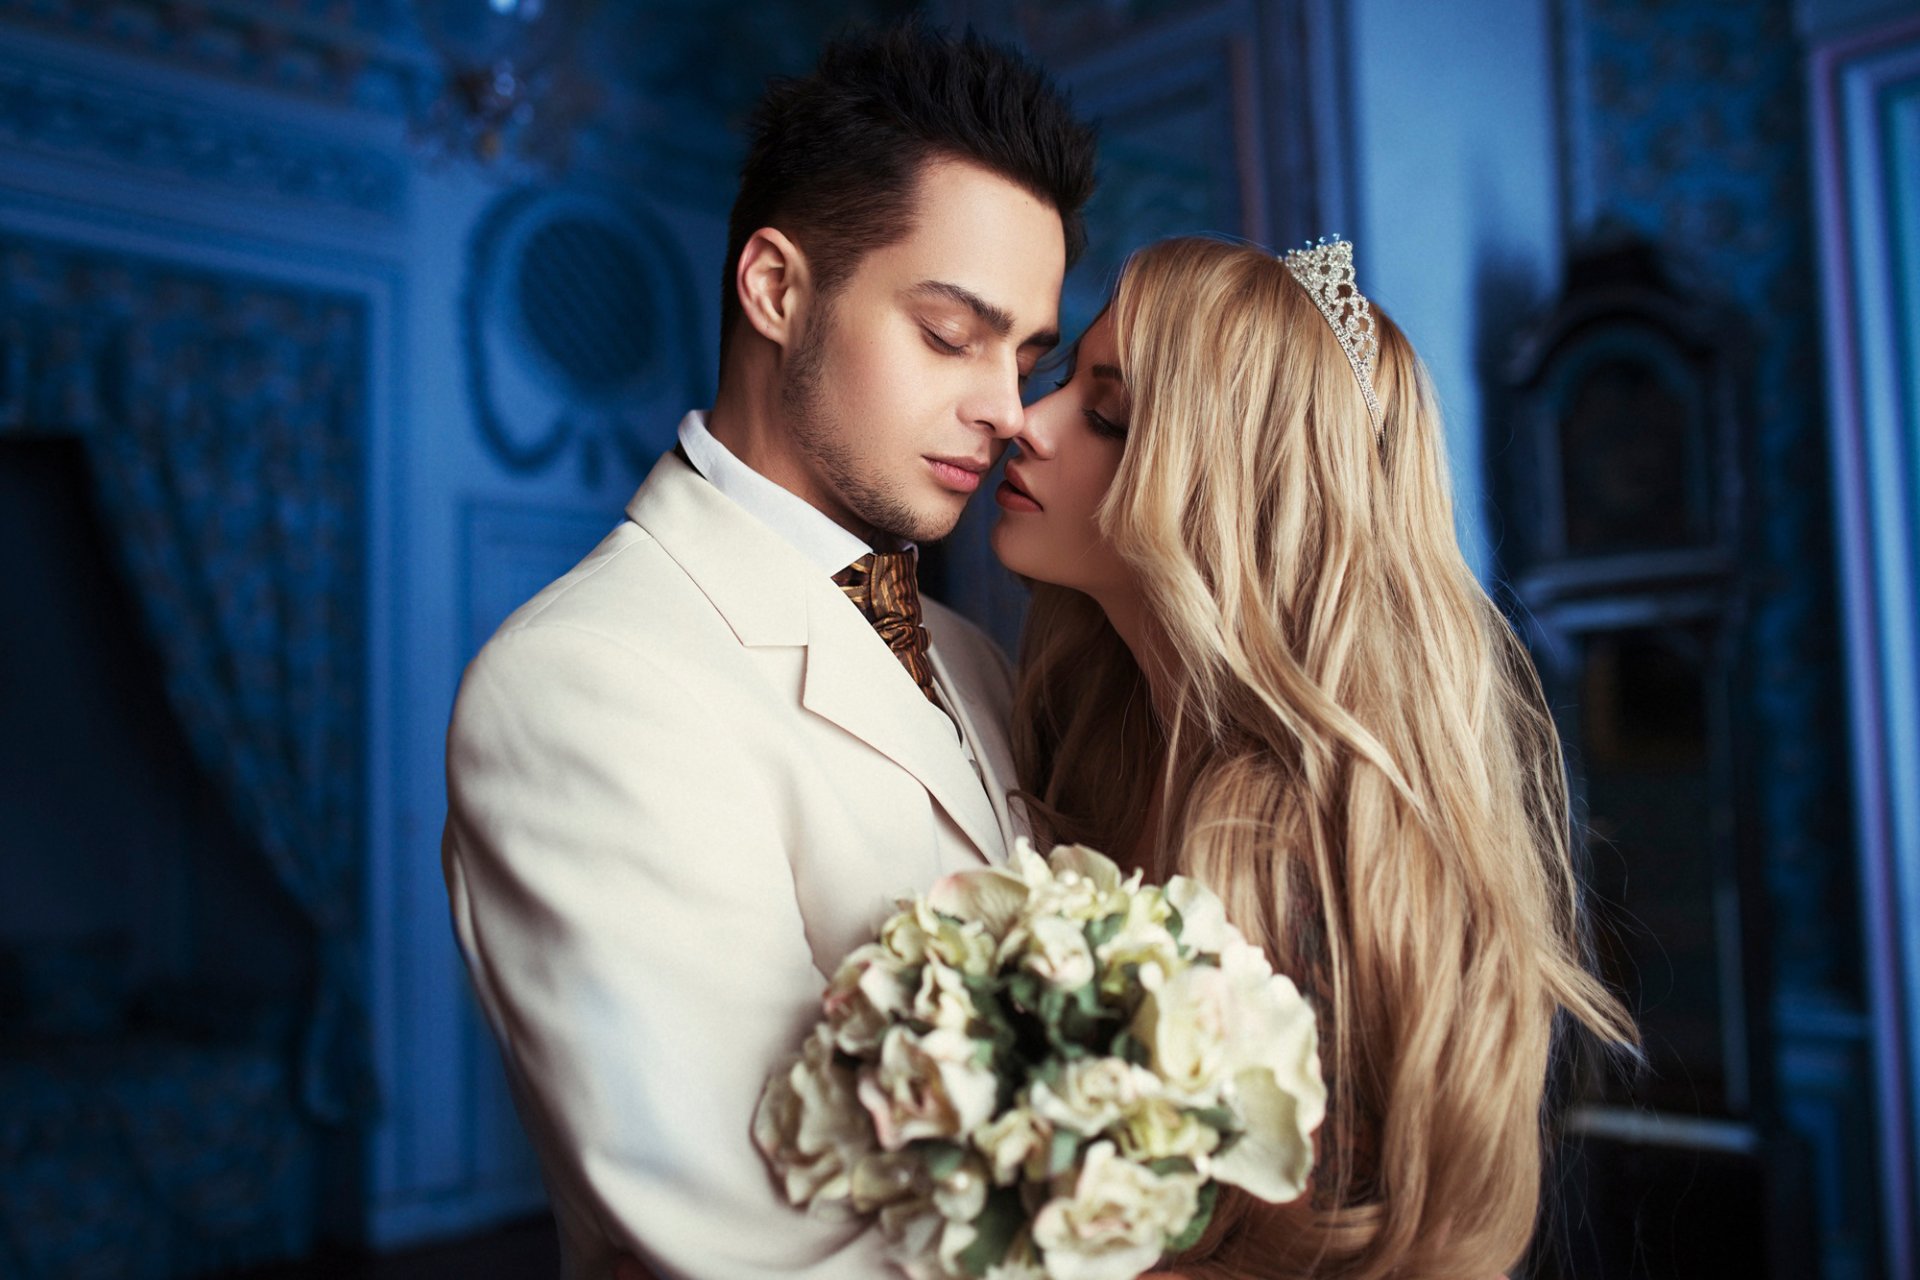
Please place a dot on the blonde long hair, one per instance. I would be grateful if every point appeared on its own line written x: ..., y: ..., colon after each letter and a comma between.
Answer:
x: 1354, y: 753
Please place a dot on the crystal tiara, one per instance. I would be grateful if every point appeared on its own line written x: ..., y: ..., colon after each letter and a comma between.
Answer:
x: 1324, y: 269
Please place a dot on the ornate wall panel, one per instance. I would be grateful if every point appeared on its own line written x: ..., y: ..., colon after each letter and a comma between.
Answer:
x: 579, y: 333
x: 1686, y: 123
x: 1866, y: 92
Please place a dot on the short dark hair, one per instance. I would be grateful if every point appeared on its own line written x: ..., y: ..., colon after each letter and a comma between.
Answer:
x: 834, y: 157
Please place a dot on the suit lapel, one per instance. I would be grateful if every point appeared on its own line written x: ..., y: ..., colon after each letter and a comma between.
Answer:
x: 770, y: 594
x: 854, y: 680
x: 985, y: 731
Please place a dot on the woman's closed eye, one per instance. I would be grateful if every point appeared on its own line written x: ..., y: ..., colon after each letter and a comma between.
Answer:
x: 1104, y: 426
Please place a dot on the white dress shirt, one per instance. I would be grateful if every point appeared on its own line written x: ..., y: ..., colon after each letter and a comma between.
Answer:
x: 809, y: 530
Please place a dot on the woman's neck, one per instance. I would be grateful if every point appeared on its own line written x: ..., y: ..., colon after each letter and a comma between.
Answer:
x: 1130, y: 618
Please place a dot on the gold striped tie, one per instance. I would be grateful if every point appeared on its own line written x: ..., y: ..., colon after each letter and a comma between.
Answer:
x: 883, y: 588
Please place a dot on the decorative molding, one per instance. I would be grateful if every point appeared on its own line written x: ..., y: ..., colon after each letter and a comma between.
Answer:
x: 1866, y: 113
x: 577, y: 329
x: 71, y: 117
x: 354, y: 53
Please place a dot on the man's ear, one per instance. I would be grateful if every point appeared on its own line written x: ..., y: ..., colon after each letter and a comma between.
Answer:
x: 774, y: 285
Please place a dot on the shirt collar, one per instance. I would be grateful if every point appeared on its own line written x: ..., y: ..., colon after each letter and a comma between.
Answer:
x: 810, y: 531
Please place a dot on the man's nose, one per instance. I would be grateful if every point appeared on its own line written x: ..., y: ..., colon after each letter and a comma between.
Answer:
x: 997, y: 406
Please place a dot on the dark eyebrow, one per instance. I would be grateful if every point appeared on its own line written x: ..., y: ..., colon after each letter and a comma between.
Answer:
x: 997, y: 318
x: 1108, y: 371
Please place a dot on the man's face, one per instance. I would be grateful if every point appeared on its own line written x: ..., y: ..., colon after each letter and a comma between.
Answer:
x: 903, y: 390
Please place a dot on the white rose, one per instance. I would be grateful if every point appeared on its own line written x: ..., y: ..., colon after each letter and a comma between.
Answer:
x: 881, y: 1178
x: 1019, y: 1268
x: 1277, y: 1091
x: 926, y: 1245
x: 962, y: 1194
x: 810, y: 1126
x: 1076, y: 897
x: 926, y: 1087
x: 1057, y: 951
x: 1090, y: 881
x: 1072, y: 881
x: 1160, y: 1128
x: 1185, y: 1023
x: 993, y: 896
x: 869, y: 992
x: 1203, y: 918
x: 1015, y: 1140
x: 1092, y: 1094
x: 1028, y: 865
x: 1142, y: 940
x: 920, y: 931
x: 1116, y: 1222
x: 926, y: 1242
x: 943, y: 999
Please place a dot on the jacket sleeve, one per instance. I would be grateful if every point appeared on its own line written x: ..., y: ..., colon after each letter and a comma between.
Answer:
x: 625, y: 903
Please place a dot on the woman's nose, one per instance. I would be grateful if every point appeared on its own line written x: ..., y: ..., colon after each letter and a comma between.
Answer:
x: 1036, y: 435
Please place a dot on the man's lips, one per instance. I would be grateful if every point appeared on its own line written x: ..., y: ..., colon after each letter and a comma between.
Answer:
x: 962, y: 475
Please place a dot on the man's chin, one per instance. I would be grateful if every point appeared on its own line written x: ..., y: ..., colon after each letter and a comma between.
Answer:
x: 929, y: 521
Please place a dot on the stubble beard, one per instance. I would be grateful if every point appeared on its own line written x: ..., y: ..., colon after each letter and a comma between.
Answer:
x: 868, y: 497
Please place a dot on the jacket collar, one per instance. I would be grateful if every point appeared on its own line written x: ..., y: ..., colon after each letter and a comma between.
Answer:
x: 771, y: 595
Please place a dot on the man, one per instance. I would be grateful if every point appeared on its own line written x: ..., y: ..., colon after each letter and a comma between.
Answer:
x: 691, y: 775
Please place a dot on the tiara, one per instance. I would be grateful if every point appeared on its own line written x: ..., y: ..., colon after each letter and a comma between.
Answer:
x: 1324, y: 269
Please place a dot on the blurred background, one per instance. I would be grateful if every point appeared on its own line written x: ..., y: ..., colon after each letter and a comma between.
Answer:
x: 330, y: 330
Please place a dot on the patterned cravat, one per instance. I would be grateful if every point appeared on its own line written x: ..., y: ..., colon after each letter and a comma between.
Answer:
x: 883, y: 588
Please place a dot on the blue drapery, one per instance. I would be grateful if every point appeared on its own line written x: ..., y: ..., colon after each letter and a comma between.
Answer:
x: 225, y: 419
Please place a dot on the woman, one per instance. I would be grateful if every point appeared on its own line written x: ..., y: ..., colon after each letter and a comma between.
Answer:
x: 1257, y: 657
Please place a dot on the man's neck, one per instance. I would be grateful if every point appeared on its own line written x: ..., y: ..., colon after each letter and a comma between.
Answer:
x: 756, y: 433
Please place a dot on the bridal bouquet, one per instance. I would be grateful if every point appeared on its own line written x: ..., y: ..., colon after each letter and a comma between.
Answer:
x: 1046, y: 1070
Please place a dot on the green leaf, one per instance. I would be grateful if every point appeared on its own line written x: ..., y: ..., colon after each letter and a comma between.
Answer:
x: 1170, y: 1164
x: 1175, y: 921
x: 941, y: 1158
x: 1221, y: 1118
x: 1129, y: 1048
x: 1101, y: 931
x: 999, y: 1222
x: 1197, y: 1225
x: 984, y: 988
x: 1065, y: 1149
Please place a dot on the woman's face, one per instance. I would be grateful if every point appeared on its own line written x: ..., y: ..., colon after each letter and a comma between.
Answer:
x: 1068, y: 454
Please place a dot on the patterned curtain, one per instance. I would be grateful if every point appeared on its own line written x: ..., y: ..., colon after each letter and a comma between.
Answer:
x: 225, y: 418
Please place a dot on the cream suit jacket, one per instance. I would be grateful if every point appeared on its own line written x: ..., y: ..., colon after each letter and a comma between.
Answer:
x: 683, y: 782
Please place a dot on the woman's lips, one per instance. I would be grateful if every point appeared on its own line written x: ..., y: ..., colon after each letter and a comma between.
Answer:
x: 962, y: 476
x: 1012, y: 497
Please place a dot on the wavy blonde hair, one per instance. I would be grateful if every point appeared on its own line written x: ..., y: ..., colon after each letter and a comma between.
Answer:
x: 1352, y: 748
